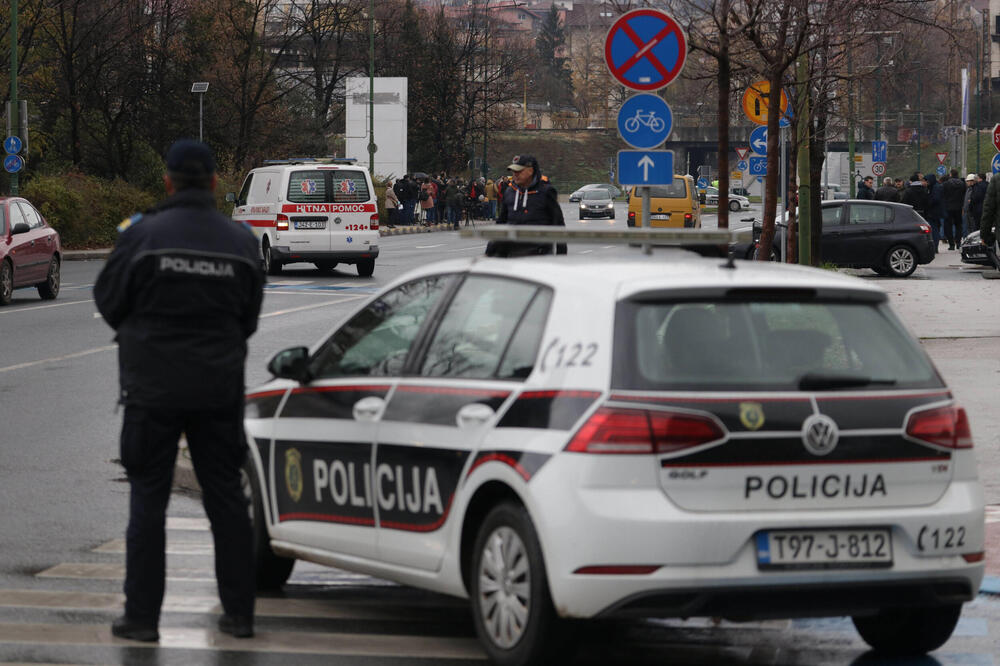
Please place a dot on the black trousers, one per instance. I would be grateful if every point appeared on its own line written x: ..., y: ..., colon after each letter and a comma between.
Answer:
x: 148, y: 452
x: 953, y: 226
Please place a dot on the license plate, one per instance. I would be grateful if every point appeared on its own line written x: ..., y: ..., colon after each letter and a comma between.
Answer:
x: 824, y: 549
x: 661, y: 217
x: 311, y: 224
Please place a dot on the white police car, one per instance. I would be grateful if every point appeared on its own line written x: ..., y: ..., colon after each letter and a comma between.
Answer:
x: 576, y: 437
x: 323, y: 212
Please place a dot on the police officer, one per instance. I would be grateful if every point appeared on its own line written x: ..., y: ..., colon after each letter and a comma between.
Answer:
x: 182, y: 290
x: 530, y: 199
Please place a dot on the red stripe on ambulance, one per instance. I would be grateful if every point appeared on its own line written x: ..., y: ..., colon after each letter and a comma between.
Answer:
x: 329, y: 208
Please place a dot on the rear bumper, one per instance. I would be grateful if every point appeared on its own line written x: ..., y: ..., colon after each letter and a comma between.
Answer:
x: 285, y: 255
x: 760, y: 602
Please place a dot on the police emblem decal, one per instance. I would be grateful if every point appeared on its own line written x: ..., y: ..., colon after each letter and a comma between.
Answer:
x: 293, y: 474
x: 820, y: 434
x: 751, y: 415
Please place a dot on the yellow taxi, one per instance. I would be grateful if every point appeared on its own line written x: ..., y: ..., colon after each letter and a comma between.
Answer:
x: 674, y: 205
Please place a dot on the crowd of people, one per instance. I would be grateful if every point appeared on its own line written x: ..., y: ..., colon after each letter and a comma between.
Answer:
x: 425, y: 199
x: 953, y: 207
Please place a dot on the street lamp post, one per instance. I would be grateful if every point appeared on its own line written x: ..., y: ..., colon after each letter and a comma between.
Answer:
x: 200, y: 88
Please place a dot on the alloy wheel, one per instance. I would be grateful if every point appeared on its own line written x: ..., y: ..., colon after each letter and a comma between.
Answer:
x: 505, y: 587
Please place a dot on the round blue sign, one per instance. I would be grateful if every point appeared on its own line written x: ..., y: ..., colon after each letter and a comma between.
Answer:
x: 645, y: 49
x: 996, y: 163
x: 12, y: 145
x: 702, y: 183
x: 13, y: 163
x: 758, y: 140
x: 743, y: 166
x: 941, y: 170
x: 645, y: 121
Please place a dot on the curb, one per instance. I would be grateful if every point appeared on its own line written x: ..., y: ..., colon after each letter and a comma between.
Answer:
x: 90, y: 255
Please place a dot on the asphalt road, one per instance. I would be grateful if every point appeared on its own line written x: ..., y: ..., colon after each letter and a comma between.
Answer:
x: 64, y: 500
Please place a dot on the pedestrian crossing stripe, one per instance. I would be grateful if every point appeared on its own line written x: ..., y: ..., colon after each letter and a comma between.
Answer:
x: 288, y: 642
x: 993, y: 513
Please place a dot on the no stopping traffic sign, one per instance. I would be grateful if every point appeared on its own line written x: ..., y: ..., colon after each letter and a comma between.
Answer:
x: 645, y: 49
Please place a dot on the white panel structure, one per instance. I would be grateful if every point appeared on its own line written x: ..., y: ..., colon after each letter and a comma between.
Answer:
x: 390, y: 124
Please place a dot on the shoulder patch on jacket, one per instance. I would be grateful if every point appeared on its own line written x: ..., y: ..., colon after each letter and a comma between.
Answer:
x: 129, y: 221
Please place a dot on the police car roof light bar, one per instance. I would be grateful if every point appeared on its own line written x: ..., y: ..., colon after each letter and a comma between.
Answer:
x: 548, y: 234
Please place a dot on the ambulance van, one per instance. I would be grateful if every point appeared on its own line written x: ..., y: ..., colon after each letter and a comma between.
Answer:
x: 319, y: 211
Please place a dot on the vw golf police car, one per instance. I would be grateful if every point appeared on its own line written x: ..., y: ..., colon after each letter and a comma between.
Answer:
x: 305, y: 210
x: 648, y: 436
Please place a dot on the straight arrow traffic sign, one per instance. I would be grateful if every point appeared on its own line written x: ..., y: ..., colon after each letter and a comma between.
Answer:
x: 645, y: 167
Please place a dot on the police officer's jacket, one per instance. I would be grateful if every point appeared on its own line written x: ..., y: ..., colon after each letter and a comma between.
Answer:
x: 183, y: 290
x: 535, y: 204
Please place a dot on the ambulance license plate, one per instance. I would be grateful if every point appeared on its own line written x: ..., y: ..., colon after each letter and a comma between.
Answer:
x: 311, y: 224
x: 824, y: 549
x: 660, y: 217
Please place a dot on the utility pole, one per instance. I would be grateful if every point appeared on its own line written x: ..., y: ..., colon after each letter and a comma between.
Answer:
x: 805, y: 138
x: 371, y: 90
x: 14, y: 119
x: 850, y: 124
x: 486, y: 75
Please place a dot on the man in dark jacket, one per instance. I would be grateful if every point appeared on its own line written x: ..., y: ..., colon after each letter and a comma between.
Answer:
x: 887, y: 192
x: 952, y: 196
x: 865, y: 190
x: 183, y: 289
x: 976, y: 202
x: 915, y: 194
x: 529, y: 199
x: 989, y: 224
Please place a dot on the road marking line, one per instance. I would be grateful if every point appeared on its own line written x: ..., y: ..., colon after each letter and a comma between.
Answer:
x: 44, y: 307
x: 313, y: 306
x: 375, y: 645
x: 428, y: 247
x: 191, y: 524
x: 56, y: 359
x: 117, y: 547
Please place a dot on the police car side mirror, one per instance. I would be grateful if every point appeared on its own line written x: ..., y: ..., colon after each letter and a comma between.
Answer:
x: 291, y: 363
x: 231, y: 197
x: 20, y: 228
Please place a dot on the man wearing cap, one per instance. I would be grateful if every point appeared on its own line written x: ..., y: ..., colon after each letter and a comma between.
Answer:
x: 183, y: 289
x: 530, y: 199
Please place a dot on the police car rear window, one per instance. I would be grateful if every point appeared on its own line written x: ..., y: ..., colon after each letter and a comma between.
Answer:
x: 784, y: 345
x: 328, y: 186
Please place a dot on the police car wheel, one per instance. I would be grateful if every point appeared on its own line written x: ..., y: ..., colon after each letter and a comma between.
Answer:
x: 734, y: 206
x: 272, y: 570
x: 511, y: 606
x: 901, y: 261
x: 908, y: 631
x: 366, y: 267
x: 49, y: 289
x: 6, y: 282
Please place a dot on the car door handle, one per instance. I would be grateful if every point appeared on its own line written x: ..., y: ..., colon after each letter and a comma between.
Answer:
x: 368, y: 409
x: 473, y: 415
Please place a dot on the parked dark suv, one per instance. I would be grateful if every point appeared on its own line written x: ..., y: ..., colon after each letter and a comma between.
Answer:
x: 890, y: 238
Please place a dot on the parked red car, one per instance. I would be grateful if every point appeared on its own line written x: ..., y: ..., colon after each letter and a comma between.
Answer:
x: 30, y: 253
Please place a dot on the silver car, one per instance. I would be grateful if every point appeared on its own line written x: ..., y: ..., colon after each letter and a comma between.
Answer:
x: 597, y: 203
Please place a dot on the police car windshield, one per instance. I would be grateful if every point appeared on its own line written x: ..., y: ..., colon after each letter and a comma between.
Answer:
x: 327, y: 186
x: 733, y: 345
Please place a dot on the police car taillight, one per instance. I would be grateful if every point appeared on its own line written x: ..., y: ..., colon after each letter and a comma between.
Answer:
x: 941, y: 426
x: 373, y: 222
x: 639, y: 431
x: 282, y: 222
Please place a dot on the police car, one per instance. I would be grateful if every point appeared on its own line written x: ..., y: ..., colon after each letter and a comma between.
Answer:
x: 307, y: 210
x: 641, y: 436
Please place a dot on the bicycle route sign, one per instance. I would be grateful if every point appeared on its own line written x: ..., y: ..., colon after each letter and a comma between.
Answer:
x: 645, y: 121
x: 645, y: 49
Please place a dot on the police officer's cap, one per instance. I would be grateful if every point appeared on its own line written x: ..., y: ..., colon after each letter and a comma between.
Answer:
x: 522, y: 162
x: 190, y: 158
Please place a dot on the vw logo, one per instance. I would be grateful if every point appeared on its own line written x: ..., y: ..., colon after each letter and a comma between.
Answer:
x: 820, y: 434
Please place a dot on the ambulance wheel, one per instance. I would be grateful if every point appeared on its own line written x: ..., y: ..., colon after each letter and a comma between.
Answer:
x: 6, y: 282
x: 366, y: 267
x: 272, y: 570
x: 326, y: 266
x: 271, y: 267
x: 49, y: 289
x: 908, y: 631
x: 511, y: 606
